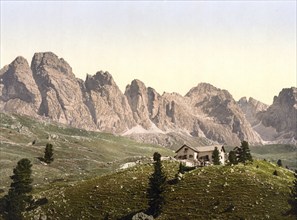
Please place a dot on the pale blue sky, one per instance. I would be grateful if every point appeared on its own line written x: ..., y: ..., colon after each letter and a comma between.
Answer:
x: 246, y: 47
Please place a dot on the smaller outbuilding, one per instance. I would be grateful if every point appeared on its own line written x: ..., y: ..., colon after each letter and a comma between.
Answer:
x: 199, y: 156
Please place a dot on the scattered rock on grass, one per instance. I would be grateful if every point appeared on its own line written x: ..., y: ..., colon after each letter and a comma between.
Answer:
x: 142, y: 216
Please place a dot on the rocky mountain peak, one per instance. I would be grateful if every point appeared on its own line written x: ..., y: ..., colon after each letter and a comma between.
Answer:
x: 206, y: 89
x: 19, y: 68
x: 19, y: 61
x: 243, y: 101
x: 99, y: 80
x: 251, y: 108
x: 251, y: 104
x: 136, y: 86
x: 287, y: 96
x: 107, y: 104
x: 50, y: 61
x: 281, y: 116
x: 202, y: 88
x: 16, y: 67
x: 137, y: 96
x: 18, y: 90
x: 61, y: 94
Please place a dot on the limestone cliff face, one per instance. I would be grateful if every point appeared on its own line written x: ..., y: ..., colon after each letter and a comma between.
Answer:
x: 220, y: 118
x: 282, y: 114
x: 18, y: 90
x: 205, y: 114
x: 251, y: 108
x: 150, y: 109
x: 61, y: 95
x: 108, y: 105
x: 155, y: 107
x: 137, y: 96
x: 275, y: 123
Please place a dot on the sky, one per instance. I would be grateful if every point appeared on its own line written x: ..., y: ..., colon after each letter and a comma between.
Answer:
x: 246, y: 47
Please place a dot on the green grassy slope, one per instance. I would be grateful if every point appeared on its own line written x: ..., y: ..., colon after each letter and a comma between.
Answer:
x: 205, y: 193
x: 286, y: 152
x: 253, y: 193
x: 78, y: 154
x: 272, y: 152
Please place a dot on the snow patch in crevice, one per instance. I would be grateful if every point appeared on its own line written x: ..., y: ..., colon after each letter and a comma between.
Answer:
x: 138, y: 129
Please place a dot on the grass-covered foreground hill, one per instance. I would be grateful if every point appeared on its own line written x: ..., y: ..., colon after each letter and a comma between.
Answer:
x: 78, y: 154
x: 214, y: 192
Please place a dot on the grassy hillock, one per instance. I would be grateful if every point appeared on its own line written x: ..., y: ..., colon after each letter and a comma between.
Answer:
x: 78, y: 154
x: 273, y: 152
x: 239, y: 192
x: 286, y: 152
x: 214, y: 192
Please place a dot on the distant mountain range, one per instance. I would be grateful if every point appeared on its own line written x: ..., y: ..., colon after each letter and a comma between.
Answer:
x: 49, y: 90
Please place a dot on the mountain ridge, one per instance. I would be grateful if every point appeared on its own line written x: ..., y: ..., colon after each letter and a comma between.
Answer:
x: 49, y: 88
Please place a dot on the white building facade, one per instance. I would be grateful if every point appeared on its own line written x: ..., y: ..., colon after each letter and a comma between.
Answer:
x: 199, y: 156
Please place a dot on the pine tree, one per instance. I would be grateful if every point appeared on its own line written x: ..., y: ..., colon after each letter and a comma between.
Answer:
x: 293, y: 197
x: 18, y: 197
x: 181, y: 168
x: 48, y: 153
x: 157, y: 185
x: 216, y: 156
x: 232, y: 157
x: 244, y: 153
x: 238, y: 153
x: 279, y: 163
x: 275, y: 173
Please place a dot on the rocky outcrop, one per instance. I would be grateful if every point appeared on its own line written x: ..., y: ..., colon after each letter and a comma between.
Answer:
x: 18, y: 90
x: 251, y: 109
x: 62, y: 99
x: 167, y: 112
x: 137, y: 96
x: 275, y: 123
x: 205, y: 112
x: 108, y: 105
x: 220, y: 118
x: 282, y: 114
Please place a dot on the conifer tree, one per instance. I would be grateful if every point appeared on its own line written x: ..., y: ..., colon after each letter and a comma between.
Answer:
x: 293, y: 197
x: 275, y: 173
x: 157, y: 185
x: 216, y: 156
x: 232, y: 157
x: 181, y: 168
x: 238, y: 153
x: 279, y: 163
x: 48, y: 153
x: 18, y: 197
x: 244, y: 153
